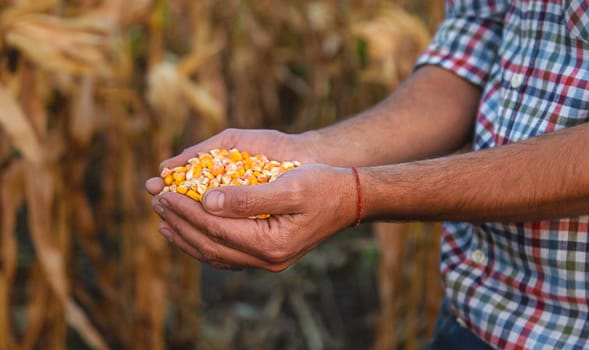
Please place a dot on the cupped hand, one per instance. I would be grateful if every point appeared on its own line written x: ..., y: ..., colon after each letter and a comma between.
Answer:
x: 274, y: 144
x: 307, y: 205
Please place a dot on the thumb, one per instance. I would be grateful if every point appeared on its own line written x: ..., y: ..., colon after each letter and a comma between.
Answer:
x: 244, y: 201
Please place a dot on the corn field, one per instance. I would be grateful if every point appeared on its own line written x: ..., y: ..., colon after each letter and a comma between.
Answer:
x: 95, y: 93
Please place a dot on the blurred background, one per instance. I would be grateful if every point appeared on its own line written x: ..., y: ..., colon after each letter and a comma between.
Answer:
x: 95, y: 93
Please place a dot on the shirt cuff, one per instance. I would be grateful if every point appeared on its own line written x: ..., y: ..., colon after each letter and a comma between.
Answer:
x: 465, y: 46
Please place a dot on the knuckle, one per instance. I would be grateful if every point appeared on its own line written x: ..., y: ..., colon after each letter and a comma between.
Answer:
x: 297, y: 191
x: 242, y: 202
x: 218, y: 233
x: 175, y: 226
x: 209, y: 254
x: 229, y: 133
x: 275, y: 248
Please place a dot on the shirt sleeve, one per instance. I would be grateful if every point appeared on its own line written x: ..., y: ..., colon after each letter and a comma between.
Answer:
x: 467, y: 41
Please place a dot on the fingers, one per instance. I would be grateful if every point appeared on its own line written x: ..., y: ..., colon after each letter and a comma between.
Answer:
x: 272, y: 143
x: 257, y: 238
x: 199, y: 246
x: 221, y: 140
x: 171, y: 206
x: 179, y: 159
x: 167, y: 231
x: 154, y: 185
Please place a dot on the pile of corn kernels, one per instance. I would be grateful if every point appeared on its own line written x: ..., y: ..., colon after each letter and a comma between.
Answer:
x: 221, y: 167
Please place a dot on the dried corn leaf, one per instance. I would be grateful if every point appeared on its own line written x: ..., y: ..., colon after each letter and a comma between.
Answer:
x: 18, y: 127
x: 292, y: 66
x: 171, y: 93
x: 36, y: 308
x: 119, y: 12
x: 11, y: 197
x: 21, y: 7
x: 153, y: 266
x: 395, y: 38
x: 58, y: 44
x: 205, y: 103
x: 40, y: 196
x: 165, y: 94
x: 83, y: 122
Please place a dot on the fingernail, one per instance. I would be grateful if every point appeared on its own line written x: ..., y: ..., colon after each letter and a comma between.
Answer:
x: 214, y: 200
x: 163, y: 202
x: 166, y: 234
x: 159, y: 209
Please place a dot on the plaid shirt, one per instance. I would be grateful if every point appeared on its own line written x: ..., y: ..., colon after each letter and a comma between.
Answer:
x: 519, y: 285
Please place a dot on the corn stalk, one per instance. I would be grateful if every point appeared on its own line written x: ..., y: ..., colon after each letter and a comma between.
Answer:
x: 95, y: 93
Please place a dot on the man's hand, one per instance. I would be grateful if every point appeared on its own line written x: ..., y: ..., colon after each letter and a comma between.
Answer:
x: 274, y: 144
x: 307, y: 205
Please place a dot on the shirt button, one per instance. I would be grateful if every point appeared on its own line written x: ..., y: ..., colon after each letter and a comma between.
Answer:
x: 479, y: 257
x: 517, y: 80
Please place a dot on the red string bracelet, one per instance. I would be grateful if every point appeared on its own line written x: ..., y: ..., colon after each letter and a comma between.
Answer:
x: 359, y: 189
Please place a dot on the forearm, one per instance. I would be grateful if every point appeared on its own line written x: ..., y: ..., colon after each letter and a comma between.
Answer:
x: 431, y: 114
x: 540, y: 178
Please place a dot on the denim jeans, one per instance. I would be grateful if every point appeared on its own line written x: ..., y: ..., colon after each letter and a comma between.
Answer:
x: 450, y: 335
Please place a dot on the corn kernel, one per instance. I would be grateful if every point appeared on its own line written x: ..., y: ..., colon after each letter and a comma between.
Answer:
x: 252, y: 180
x: 182, y: 189
x: 194, y: 195
x: 217, y: 169
x: 260, y: 216
x: 235, y: 155
x: 179, y: 177
x: 221, y: 167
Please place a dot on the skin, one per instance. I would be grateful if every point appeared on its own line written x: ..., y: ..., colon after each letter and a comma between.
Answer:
x: 409, y: 171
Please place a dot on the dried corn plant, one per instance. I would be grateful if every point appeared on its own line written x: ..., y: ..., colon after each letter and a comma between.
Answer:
x: 95, y: 93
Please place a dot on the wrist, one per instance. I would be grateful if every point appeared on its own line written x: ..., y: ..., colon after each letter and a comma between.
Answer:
x: 343, y: 194
x: 359, y: 197
x: 309, y: 142
x: 384, y: 193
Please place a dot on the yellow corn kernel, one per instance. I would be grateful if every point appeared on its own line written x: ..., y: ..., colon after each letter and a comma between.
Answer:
x: 194, y: 195
x: 180, y: 169
x: 246, y: 164
x: 179, y: 177
x: 252, y: 180
x: 235, y: 155
x: 168, y: 180
x: 193, y: 172
x: 182, y: 189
